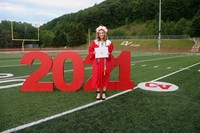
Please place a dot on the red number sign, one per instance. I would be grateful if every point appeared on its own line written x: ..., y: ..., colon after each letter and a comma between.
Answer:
x: 32, y: 85
x: 124, y: 82
x: 58, y: 71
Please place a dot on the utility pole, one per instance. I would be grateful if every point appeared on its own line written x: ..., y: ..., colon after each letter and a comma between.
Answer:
x: 159, y: 32
x: 88, y: 37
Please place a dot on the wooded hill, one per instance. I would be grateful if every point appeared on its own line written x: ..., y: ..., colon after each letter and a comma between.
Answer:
x: 115, y: 13
x: 179, y: 17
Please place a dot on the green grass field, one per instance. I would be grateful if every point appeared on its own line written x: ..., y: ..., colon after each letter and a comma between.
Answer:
x: 169, y: 45
x: 135, y: 111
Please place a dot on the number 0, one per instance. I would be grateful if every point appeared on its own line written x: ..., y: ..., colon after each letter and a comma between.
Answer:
x: 58, y: 71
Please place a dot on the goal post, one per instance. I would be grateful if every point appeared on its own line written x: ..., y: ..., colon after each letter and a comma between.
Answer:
x: 24, y: 39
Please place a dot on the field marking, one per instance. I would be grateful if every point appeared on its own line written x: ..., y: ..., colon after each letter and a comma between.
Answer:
x: 91, y: 67
x: 13, y: 85
x: 18, y: 65
x: 155, y: 66
x: 10, y: 60
x: 169, y: 67
x: 162, y: 58
x: 5, y: 75
x: 81, y: 54
x: 70, y: 70
x: 176, y: 71
x: 143, y: 65
x: 134, y: 61
x: 87, y: 105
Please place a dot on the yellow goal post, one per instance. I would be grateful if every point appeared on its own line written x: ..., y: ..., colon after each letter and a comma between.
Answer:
x: 23, y: 39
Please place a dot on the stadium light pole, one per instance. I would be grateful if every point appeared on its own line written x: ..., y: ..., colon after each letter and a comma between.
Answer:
x: 88, y: 37
x: 159, y: 32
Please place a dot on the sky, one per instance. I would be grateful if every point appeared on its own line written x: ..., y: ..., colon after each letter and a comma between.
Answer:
x: 38, y: 12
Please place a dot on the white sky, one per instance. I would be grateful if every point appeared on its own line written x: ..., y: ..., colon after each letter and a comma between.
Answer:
x: 41, y: 11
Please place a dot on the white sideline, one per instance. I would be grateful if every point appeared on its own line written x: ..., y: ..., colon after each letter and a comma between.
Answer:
x: 87, y: 105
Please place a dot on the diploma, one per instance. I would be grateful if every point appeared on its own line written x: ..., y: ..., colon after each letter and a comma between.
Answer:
x: 101, y: 52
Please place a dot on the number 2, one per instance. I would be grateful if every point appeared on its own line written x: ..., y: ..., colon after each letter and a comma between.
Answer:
x: 31, y: 83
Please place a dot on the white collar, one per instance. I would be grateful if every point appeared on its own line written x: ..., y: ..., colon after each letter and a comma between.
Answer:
x: 107, y: 42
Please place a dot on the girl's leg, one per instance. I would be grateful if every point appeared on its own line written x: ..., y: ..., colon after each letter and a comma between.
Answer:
x: 104, y: 93
x: 98, y: 96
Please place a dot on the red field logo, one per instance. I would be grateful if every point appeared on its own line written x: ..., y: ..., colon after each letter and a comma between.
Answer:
x: 158, y: 86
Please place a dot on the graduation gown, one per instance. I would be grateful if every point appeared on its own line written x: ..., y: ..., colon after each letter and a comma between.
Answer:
x: 101, y: 67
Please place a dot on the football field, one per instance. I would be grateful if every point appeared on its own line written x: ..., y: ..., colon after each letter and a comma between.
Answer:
x: 134, y: 110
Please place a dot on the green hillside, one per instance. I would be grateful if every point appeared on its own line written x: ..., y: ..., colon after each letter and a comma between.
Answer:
x: 122, y: 17
x: 129, y: 18
x: 115, y: 13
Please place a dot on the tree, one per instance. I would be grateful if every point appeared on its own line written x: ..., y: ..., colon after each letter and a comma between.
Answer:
x: 76, y: 35
x: 60, y: 38
x: 70, y: 34
x: 195, y: 25
x: 47, y: 37
x: 181, y: 26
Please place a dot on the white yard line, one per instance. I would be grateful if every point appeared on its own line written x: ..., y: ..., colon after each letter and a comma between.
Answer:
x: 17, y: 65
x: 90, y: 67
x: 143, y: 65
x: 81, y: 54
x: 162, y: 58
x: 168, y: 67
x: 10, y: 60
x: 134, y: 61
x: 47, y: 74
x: 176, y: 71
x: 87, y: 105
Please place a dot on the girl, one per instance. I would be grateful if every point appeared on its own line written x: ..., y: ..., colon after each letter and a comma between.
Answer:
x: 100, y: 66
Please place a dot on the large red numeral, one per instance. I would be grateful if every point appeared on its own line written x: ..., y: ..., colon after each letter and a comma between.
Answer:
x: 124, y: 83
x: 58, y: 71
x: 31, y: 84
x: 89, y: 81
